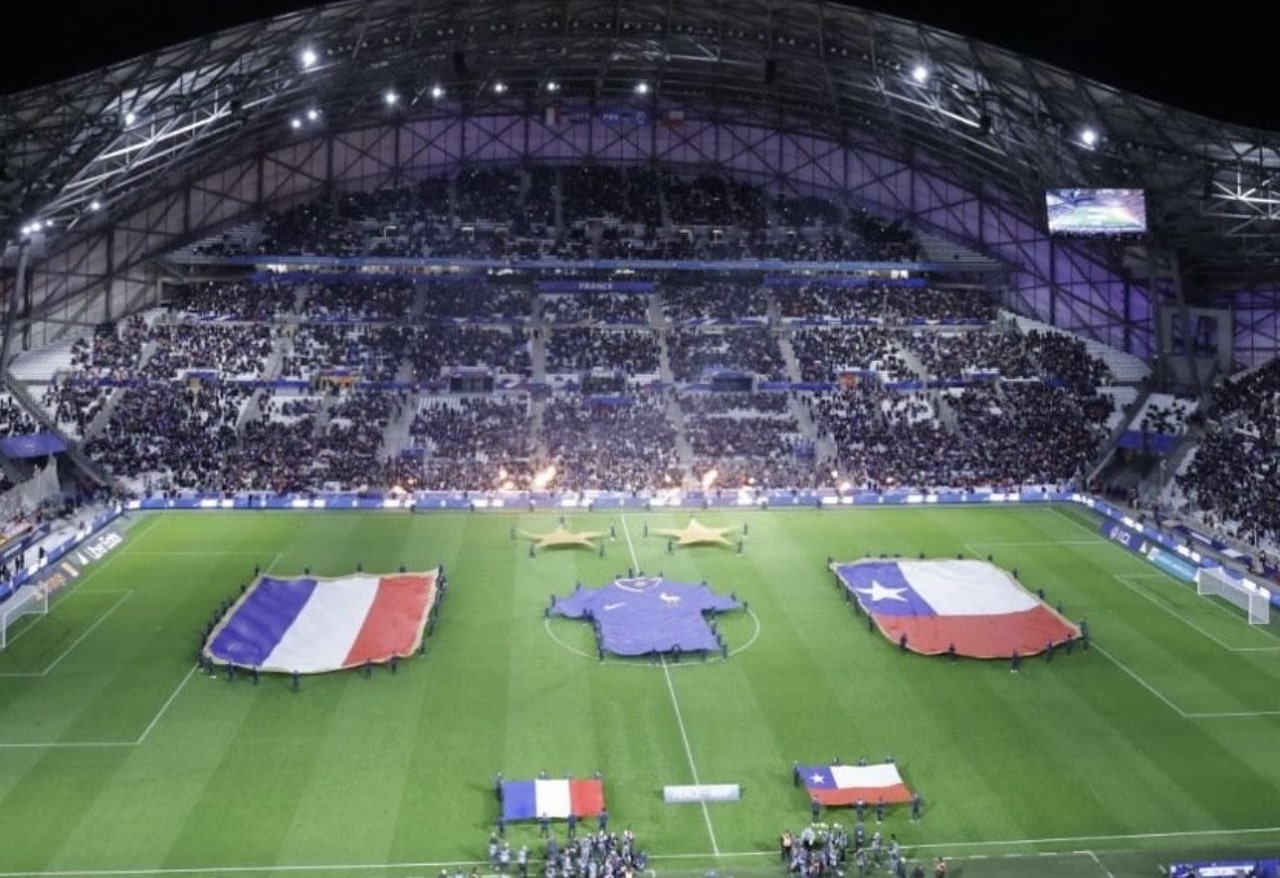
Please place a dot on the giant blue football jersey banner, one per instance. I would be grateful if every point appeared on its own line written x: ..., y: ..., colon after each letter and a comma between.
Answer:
x: 648, y: 614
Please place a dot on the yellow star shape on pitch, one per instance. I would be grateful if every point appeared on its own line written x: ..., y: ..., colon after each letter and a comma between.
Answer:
x: 695, y: 533
x: 562, y: 537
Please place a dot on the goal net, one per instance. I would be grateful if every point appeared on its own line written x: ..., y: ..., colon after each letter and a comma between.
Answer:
x: 30, y: 600
x: 1248, y: 596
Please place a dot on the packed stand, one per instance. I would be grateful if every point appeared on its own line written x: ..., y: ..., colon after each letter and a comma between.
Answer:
x: 747, y: 438
x: 1233, y: 479
x: 1003, y: 434
x: 695, y: 354
x: 633, y: 352
x: 238, y: 300
x: 360, y: 301
x: 477, y: 429
x: 344, y: 352
x: 823, y: 303
x: 606, y: 211
x: 956, y: 356
x: 725, y: 301
x: 172, y: 435
x: 711, y: 200
x: 592, y: 307
x: 825, y: 355
x: 431, y: 351
x: 477, y: 302
x: 631, y: 194
x: 622, y: 444
x: 236, y: 351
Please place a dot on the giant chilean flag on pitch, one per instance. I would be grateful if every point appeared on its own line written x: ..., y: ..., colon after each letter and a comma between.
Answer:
x: 552, y: 799
x: 834, y: 785
x: 974, y: 606
x: 309, y: 625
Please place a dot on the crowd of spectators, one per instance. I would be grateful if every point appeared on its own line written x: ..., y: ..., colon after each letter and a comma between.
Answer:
x: 113, y: 349
x: 433, y: 350
x: 344, y: 351
x: 885, y: 304
x: 171, y: 434
x: 477, y: 302
x: 238, y: 300
x: 583, y: 211
x: 1033, y: 417
x: 696, y: 354
x: 591, y: 307
x: 954, y: 356
x: 14, y: 419
x: 626, y: 443
x: 1233, y: 482
x: 358, y: 301
x: 634, y: 352
x: 1003, y: 434
x: 474, y: 430
x: 727, y: 301
x: 827, y: 354
x: 238, y: 350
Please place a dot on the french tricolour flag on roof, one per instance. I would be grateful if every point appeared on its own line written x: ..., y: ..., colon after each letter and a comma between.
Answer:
x: 552, y: 799
x: 849, y: 784
x: 975, y: 606
x: 309, y: 625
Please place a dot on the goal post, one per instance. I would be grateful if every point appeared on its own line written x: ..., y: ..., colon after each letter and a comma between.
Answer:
x: 29, y: 600
x: 1248, y: 596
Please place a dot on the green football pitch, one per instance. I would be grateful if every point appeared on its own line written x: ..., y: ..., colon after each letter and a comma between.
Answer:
x: 119, y: 757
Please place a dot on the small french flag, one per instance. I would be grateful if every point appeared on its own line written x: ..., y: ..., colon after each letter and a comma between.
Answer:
x: 551, y: 799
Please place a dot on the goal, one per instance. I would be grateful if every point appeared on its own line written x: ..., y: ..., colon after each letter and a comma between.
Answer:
x: 1248, y: 596
x: 29, y: 600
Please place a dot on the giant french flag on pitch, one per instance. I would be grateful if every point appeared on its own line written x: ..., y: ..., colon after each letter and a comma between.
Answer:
x: 974, y: 606
x: 552, y: 799
x: 833, y: 785
x: 309, y: 625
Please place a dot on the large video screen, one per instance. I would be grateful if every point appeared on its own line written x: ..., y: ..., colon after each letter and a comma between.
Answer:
x: 1096, y: 211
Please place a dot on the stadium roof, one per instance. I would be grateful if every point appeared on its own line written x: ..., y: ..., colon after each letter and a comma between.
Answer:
x: 78, y: 150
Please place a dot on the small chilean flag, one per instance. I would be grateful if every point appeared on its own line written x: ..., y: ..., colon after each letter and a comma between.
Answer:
x: 552, y: 799
x: 309, y: 625
x: 850, y: 784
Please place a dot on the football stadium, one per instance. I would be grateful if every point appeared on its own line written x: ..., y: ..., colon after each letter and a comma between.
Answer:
x: 614, y: 440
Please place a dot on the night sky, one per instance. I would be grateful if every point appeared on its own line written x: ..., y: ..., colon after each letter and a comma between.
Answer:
x: 1216, y: 62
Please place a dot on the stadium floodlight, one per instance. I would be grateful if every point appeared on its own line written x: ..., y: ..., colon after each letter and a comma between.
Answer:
x: 308, y: 58
x: 1248, y: 596
x: 313, y: 114
x: 499, y: 87
x: 130, y: 119
x: 95, y: 205
x: 553, y: 86
x: 920, y: 74
x: 642, y: 87
x: 1089, y: 136
x: 437, y: 92
x: 391, y: 98
x: 295, y: 123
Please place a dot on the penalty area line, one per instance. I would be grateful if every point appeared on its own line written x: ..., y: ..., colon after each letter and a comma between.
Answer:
x: 1095, y: 859
x: 167, y: 704
x: 124, y: 596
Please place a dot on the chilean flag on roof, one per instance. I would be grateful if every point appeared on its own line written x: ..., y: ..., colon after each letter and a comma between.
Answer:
x: 308, y: 625
x: 849, y: 784
x: 552, y: 799
x: 972, y: 605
